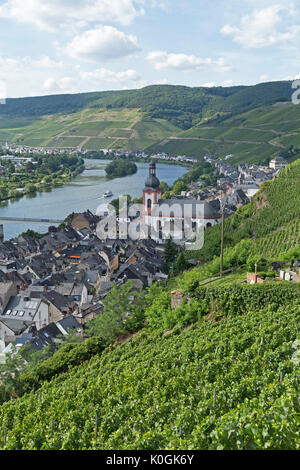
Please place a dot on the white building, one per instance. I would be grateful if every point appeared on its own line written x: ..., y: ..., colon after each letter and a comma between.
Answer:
x: 175, y: 217
x: 277, y: 163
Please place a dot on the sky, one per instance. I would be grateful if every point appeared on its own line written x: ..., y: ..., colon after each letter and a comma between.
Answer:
x: 71, y: 46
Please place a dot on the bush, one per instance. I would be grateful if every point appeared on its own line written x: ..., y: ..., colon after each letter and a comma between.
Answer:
x: 67, y: 356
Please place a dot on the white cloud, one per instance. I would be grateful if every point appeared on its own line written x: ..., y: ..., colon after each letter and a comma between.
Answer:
x: 261, y: 28
x: 110, y: 76
x: 49, y: 15
x: 64, y: 84
x: 164, y: 60
x: 102, y: 43
x: 31, y: 77
x: 266, y: 78
x: 209, y: 85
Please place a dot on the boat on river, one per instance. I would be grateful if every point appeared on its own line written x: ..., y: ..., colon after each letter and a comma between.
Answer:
x: 107, y: 193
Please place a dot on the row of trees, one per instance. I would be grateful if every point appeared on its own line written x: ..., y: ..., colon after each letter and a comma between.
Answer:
x: 43, y: 172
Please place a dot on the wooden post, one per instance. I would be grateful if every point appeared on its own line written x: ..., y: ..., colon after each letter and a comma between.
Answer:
x: 222, y: 240
x: 4, y: 430
x: 96, y: 425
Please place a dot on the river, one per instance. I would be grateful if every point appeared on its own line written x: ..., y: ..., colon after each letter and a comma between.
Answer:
x: 80, y: 194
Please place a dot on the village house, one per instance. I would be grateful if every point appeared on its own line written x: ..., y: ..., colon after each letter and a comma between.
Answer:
x: 19, y: 314
x: 277, y: 163
x: 7, y: 290
x: 85, y: 220
x: 59, y: 305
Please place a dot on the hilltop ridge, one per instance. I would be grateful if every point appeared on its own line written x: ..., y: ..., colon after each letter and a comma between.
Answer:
x: 241, y: 120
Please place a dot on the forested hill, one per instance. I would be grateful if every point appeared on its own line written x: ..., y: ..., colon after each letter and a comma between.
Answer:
x: 252, y: 123
x: 180, y: 105
x: 185, y: 107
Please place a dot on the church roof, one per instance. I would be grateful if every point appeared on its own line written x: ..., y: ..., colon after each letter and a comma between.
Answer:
x: 152, y: 182
x: 198, y: 208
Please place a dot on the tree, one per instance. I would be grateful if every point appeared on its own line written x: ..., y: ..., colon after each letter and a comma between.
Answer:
x: 30, y: 188
x: 170, y: 251
x: 179, y: 186
x: 181, y: 264
x: 164, y: 186
x: 10, y: 385
x: 117, y: 308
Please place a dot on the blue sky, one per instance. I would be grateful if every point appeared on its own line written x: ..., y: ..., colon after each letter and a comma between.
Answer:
x: 69, y: 46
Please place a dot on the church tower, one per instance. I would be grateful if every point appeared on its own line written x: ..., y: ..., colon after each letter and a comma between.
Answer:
x: 151, y: 193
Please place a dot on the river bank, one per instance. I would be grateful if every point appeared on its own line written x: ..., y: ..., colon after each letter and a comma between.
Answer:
x: 81, y: 193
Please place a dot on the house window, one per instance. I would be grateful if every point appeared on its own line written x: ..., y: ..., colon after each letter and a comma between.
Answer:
x: 149, y: 203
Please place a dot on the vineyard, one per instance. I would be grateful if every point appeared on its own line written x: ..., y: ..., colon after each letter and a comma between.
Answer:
x: 228, y: 384
x: 273, y: 214
x: 278, y: 242
x: 219, y: 371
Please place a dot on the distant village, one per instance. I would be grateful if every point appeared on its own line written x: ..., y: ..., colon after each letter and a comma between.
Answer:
x: 55, y: 284
x: 23, y: 149
x: 235, y: 186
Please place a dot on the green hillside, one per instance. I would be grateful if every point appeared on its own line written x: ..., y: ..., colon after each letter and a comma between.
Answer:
x: 90, y: 129
x: 245, y: 121
x: 255, y: 136
x: 269, y: 223
x: 215, y: 385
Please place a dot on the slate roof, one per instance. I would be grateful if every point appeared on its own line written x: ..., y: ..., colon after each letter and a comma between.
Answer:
x: 20, y: 310
x: 207, y: 210
x: 69, y: 323
x: 61, y: 302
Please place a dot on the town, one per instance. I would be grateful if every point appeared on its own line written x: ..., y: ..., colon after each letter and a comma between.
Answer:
x: 55, y: 283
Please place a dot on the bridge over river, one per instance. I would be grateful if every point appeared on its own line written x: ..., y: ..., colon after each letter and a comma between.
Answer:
x: 31, y: 220
x: 13, y: 220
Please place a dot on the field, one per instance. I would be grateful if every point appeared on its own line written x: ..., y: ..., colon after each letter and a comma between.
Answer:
x: 91, y: 129
x: 256, y: 135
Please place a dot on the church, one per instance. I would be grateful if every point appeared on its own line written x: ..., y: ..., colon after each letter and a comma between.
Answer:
x: 178, y: 217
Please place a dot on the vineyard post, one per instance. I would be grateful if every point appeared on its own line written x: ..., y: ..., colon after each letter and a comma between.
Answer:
x: 222, y: 239
x: 4, y: 431
x: 96, y: 425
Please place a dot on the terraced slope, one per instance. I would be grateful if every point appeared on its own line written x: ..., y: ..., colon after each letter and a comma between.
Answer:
x: 90, y: 129
x: 273, y: 214
x: 175, y: 119
x: 252, y: 137
x: 231, y: 384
